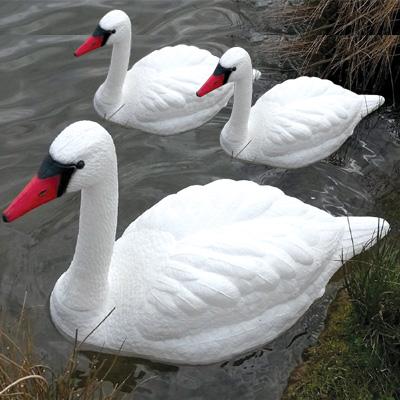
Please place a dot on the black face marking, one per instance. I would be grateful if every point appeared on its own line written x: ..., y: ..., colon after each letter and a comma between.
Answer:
x: 99, y: 31
x: 220, y: 70
x: 51, y: 167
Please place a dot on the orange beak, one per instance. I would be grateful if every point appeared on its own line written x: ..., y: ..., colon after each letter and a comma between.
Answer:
x: 98, y: 39
x: 35, y: 193
x: 212, y: 83
x: 218, y: 78
x: 90, y: 44
x: 50, y: 182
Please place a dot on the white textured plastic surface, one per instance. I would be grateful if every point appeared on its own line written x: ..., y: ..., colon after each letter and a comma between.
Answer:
x: 205, y: 274
x: 158, y: 94
x: 296, y: 123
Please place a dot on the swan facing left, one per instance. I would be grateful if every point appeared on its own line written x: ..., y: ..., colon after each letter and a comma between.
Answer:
x: 295, y: 124
x: 157, y: 94
x: 205, y: 274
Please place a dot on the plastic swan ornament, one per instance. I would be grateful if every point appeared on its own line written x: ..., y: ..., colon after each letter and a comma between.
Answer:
x: 203, y: 275
x: 157, y: 94
x: 296, y: 123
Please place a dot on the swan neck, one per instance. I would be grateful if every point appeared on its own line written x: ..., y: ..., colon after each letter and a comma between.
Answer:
x: 112, y: 87
x: 236, y: 130
x: 86, y: 281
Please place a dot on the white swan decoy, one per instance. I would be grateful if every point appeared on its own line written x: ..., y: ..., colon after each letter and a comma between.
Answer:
x: 157, y: 94
x: 204, y: 275
x: 296, y: 123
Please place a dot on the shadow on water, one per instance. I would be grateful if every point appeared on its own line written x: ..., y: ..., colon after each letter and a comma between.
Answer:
x: 44, y: 88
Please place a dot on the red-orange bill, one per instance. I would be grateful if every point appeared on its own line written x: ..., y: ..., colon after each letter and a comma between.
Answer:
x: 37, y: 192
x: 91, y: 43
x: 212, y: 83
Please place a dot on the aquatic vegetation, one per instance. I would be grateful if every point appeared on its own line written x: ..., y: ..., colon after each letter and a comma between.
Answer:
x: 355, y: 43
x: 23, y: 376
x: 357, y: 356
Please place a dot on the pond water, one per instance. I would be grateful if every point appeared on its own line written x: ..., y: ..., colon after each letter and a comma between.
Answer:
x: 44, y: 88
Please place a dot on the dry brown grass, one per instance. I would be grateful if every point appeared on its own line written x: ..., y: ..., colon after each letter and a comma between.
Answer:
x: 23, y: 376
x: 354, y: 42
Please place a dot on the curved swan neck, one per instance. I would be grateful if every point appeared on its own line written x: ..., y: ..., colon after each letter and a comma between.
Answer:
x: 112, y: 87
x: 86, y: 281
x: 235, y: 132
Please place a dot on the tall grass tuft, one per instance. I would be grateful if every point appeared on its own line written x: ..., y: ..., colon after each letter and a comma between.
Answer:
x: 354, y: 42
x: 23, y: 376
x: 372, y: 281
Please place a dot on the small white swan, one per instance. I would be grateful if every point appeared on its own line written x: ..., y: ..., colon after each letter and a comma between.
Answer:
x: 157, y: 94
x: 296, y: 123
x: 203, y: 275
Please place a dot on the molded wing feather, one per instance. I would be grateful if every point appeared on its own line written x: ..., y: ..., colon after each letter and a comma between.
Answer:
x: 169, y: 78
x: 306, y: 109
x: 257, y: 260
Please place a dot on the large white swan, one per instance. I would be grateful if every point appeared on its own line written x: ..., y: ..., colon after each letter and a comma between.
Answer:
x: 157, y: 94
x: 294, y: 124
x: 204, y: 275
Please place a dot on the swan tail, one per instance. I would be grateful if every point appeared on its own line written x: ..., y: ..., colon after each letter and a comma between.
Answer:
x: 256, y: 74
x: 371, y: 103
x: 361, y: 233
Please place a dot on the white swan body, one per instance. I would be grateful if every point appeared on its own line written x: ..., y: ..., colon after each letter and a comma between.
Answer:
x: 296, y: 123
x: 203, y: 275
x: 157, y: 94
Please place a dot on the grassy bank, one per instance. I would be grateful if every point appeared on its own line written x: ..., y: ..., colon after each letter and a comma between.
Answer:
x: 355, y: 43
x: 358, y: 354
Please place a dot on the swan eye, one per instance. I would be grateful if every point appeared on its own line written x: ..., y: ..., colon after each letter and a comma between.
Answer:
x: 113, y: 31
x: 80, y: 164
x: 233, y: 68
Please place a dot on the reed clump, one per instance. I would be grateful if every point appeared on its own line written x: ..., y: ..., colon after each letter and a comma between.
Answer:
x: 355, y: 43
x: 23, y: 376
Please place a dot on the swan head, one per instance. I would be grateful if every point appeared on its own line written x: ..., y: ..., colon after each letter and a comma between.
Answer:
x: 112, y: 28
x: 233, y: 66
x: 80, y: 156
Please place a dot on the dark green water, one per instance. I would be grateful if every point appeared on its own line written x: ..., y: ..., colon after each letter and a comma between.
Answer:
x: 44, y: 88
